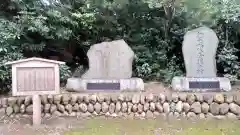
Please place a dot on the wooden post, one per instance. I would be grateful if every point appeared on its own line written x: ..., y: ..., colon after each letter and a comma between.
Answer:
x: 36, y: 110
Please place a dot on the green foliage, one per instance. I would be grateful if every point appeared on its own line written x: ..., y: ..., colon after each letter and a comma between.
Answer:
x: 65, y: 72
x: 9, y: 50
x: 153, y: 29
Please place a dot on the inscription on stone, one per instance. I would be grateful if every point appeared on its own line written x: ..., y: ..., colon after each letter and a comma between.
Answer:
x: 204, y: 85
x: 103, y: 86
x: 200, y: 54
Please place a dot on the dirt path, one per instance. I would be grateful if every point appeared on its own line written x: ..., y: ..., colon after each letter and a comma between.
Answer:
x: 52, y: 126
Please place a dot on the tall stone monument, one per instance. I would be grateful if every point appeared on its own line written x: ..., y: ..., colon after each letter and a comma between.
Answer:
x: 110, y: 68
x: 199, y: 51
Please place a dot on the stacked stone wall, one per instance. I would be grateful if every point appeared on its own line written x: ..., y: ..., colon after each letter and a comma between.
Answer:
x: 199, y: 105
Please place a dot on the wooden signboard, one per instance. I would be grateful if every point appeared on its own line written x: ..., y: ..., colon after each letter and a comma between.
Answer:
x: 35, y: 76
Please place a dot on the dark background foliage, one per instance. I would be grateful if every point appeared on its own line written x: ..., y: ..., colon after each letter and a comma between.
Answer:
x: 65, y: 29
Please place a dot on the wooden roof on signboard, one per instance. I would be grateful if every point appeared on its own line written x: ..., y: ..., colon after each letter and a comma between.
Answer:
x: 34, y: 59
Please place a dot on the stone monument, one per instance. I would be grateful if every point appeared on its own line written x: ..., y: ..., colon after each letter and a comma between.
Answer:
x: 110, y: 68
x: 199, y: 51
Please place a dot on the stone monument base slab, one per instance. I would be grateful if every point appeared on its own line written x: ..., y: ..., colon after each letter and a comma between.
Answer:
x: 131, y: 84
x: 201, y: 84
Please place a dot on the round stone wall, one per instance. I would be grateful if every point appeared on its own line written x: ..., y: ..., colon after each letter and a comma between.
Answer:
x: 199, y: 105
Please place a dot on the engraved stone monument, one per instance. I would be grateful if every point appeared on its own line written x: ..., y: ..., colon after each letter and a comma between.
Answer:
x: 199, y: 51
x: 110, y: 68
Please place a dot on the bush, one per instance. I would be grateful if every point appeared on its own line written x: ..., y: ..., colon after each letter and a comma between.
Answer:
x: 153, y: 29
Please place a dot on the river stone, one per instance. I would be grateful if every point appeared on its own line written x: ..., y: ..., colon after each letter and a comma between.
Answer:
x: 214, y: 108
x: 191, y: 115
x: 50, y: 99
x: 69, y: 108
x: 146, y: 107
x: 229, y: 98
x: 118, y: 107
x: 130, y: 105
x: 83, y: 107
x: 234, y: 108
x: 97, y: 107
x: 28, y: 100
x: 134, y: 108
x: 172, y: 107
x: 219, y: 98
x: 12, y: 101
x: 236, y: 99
x: 183, y: 97
x: 142, y: 99
x: 16, y: 108
x: 152, y: 107
x: 110, y: 60
x: 159, y: 107
x: 22, y: 108
x: 74, y: 99
x: 149, y: 97
x: 231, y: 115
x: 175, y: 98
x: 208, y: 98
x: 186, y: 107
x: 124, y: 107
x: 162, y: 98
x: 20, y: 100
x: 156, y: 114
x: 205, y: 108
x: 47, y: 108
x: 201, y: 116
x: 61, y: 108
x: 90, y: 108
x: 166, y: 107
x: 57, y: 114
x: 100, y: 98
x: 199, y: 98
x: 140, y: 108
x: 114, y: 98
x: 57, y: 99
x: 107, y: 99
x: 176, y: 114
x: 66, y: 99
x: 4, y: 102
x: 121, y: 97
x: 93, y: 99
x: 29, y: 109
x: 86, y: 99
x: 223, y: 108
x: 149, y: 114
x: 80, y: 98
x: 111, y: 108
x: 44, y: 99
x: 76, y: 107
x: 179, y: 106
x: 53, y: 108
x: 191, y: 98
x: 105, y: 107
x: 196, y: 107
x: 136, y: 99
x: 9, y: 111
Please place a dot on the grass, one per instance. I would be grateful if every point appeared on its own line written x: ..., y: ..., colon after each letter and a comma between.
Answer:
x: 157, y: 127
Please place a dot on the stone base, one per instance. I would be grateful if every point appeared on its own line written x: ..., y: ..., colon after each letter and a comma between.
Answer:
x: 131, y: 84
x: 201, y: 84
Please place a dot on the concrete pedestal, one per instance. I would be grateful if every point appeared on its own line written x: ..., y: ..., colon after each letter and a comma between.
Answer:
x: 201, y: 84
x: 131, y: 84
